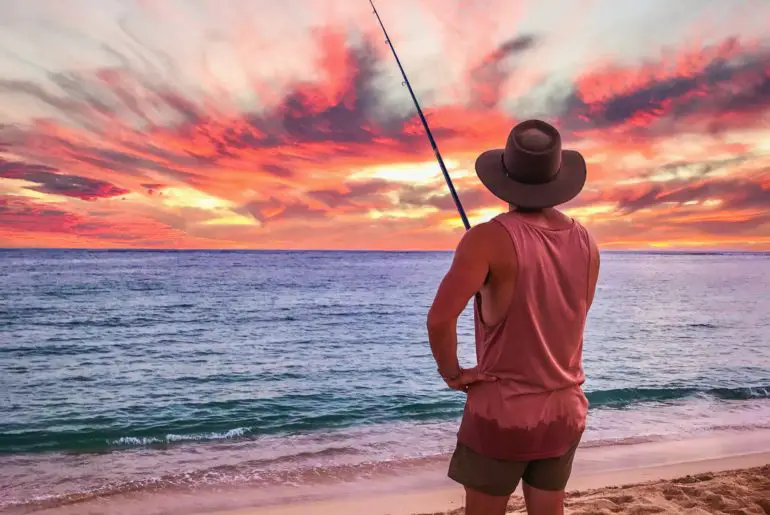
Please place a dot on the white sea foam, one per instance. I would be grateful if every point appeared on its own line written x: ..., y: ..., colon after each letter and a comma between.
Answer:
x: 172, y: 438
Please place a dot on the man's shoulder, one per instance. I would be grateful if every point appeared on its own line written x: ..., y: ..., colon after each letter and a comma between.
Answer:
x: 485, y: 232
x: 480, y: 240
x: 488, y: 241
x: 574, y: 221
x: 587, y: 232
x: 593, y: 247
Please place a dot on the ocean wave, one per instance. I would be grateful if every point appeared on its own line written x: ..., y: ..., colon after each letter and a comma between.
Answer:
x: 630, y: 396
x: 300, y: 414
x: 65, y: 349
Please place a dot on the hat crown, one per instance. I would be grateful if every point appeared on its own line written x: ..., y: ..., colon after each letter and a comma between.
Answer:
x: 532, y: 152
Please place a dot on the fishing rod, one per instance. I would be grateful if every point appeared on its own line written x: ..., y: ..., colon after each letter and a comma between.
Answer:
x: 424, y: 124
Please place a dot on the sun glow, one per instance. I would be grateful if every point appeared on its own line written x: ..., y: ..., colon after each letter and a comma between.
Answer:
x: 189, y: 197
x: 376, y: 214
x: 476, y: 217
x: 589, y: 211
x: 411, y: 173
x: 231, y: 220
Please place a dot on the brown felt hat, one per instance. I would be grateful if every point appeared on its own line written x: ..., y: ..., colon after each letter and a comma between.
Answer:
x: 532, y: 171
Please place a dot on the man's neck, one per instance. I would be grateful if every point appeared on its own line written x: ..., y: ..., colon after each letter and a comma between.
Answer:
x: 549, y: 216
x: 516, y: 209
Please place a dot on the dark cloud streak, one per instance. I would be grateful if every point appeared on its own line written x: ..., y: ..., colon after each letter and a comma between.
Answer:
x: 357, y: 193
x: 471, y: 199
x: 488, y: 76
x: 274, y: 209
x: 736, y: 83
x: 50, y: 181
x: 734, y: 194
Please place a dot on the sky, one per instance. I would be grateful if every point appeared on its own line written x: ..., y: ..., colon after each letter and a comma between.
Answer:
x: 285, y: 125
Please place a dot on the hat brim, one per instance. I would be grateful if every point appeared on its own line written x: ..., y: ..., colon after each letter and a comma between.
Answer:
x: 567, y: 184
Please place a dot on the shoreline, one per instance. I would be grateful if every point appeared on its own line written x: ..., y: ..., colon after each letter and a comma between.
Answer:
x: 446, y: 500
x: 422, y: 487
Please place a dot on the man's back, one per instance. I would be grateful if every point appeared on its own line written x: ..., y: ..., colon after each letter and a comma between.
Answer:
x: 498, y: 291
x: 530, y: 318
x: 542, y: 280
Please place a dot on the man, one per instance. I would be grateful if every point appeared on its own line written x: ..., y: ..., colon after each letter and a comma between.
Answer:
x: 533, y: 273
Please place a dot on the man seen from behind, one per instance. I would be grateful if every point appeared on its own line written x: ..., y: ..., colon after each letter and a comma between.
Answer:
x: 532, y: 272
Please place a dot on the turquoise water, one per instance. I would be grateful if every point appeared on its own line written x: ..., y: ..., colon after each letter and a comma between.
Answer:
x: 118, y: 369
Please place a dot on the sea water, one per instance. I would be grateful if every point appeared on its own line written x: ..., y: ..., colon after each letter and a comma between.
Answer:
x: 123, y: 371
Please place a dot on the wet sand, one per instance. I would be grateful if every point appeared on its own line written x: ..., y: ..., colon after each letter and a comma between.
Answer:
x: 739, y: 484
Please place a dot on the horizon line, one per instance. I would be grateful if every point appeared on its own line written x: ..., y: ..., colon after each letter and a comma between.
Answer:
x: 401, y: 251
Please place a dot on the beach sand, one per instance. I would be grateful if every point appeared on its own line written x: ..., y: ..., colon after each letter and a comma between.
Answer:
x: 732, y: 485
x: 726, y: 472
x: 742, y: 491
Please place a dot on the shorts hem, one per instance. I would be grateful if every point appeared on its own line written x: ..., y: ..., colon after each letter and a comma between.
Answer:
x: 546, y: 488
x: 482, y: 489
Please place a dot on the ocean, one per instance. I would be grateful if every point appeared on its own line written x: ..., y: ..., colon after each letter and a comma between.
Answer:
x: 130, y: 371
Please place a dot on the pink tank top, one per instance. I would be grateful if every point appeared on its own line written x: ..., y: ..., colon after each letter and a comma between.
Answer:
x: 536, y: 409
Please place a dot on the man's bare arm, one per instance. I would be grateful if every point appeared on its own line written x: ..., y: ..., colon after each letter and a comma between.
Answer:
x: 593, y: 270
x: 465, y: 277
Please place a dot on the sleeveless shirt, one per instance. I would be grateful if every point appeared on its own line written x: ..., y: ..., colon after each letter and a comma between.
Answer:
x: 536, y: 409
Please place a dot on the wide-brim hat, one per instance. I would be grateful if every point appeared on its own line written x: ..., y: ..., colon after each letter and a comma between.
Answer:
x: 532, y: 171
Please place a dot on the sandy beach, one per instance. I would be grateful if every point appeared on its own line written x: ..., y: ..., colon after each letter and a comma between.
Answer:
x: 745, y: 491
x: 655, y: 477
x: 741, y: 491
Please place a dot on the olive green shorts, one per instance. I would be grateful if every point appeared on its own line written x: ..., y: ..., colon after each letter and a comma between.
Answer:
x: 500, y: 478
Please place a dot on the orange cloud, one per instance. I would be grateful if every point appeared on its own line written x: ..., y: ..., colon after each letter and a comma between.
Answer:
x: 130, y: 158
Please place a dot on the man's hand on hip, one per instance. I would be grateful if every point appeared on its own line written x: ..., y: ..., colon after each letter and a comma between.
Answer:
x: 468, y: 377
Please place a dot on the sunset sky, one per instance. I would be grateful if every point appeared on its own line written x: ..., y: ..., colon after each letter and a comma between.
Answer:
x: 284, y: 124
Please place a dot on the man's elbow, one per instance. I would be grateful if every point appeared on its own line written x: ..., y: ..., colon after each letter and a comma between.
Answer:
x: 437, y: 321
